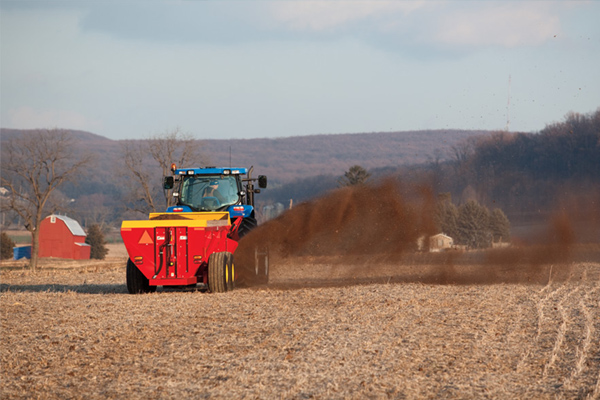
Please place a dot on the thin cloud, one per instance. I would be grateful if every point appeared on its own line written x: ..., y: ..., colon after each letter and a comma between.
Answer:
x: 29, y: 118
x: 446, y: 23
x: 329, y: 15
x: 511, y: 25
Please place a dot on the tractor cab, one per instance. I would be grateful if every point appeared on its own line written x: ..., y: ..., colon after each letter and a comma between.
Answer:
x: 214, y: 189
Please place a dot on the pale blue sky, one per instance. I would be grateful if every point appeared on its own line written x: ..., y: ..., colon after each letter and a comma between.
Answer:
x: 248, y: 69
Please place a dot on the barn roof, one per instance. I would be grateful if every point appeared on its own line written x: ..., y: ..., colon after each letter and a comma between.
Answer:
x: 73, y: 225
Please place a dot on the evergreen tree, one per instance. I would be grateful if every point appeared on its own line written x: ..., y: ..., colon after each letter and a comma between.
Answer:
x: 356, y: 175
x: 473, y: 225
x: 499, y: 226
x: 95, y: 238
x: 447, y: 218
x: 7, y: 245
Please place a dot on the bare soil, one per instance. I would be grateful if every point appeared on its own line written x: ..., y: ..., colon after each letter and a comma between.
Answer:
x: 320, y: 329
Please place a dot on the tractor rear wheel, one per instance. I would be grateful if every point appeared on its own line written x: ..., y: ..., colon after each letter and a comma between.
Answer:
x: 220, y: 266
x: 246, y: 226
x: 136, y: 281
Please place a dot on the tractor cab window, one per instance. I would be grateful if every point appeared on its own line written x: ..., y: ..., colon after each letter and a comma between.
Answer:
x: 209, y: 192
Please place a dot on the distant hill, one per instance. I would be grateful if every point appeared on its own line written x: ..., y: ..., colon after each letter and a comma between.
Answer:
x: 286, y: 159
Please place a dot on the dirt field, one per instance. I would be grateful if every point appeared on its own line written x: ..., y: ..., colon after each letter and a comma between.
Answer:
x: 72, y: 331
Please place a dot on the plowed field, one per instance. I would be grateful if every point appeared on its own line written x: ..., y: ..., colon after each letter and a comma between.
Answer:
x: 71, y: 331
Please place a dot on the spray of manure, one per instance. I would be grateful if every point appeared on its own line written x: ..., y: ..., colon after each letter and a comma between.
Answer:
x: 369, y: 233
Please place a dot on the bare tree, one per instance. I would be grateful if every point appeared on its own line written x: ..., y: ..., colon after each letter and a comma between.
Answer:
x: 141, y: 190
x: 92, y: 210
x: 146, y: 160
x: 34, y: 165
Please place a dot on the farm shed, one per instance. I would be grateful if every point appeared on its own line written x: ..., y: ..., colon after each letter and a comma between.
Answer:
x: 63, y: 237
x: 440, y: 242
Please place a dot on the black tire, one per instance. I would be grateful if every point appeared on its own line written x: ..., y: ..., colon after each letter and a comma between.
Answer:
x: 136, y: 281
x: 246, y: 226
x: 218, y: 272
x: 230, y: 276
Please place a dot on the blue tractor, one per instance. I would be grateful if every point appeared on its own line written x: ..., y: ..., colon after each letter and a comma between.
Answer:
x: 216, y: 189
x: 194, y: 241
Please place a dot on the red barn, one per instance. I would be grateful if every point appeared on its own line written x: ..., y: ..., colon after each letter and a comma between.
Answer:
x: 63, y: 237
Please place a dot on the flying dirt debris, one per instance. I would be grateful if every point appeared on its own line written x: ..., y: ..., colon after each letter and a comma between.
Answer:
x: 355, y: 220
x: 369, y: 233
x: 193, y: 242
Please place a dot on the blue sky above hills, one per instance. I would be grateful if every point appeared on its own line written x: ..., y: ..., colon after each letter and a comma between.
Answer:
x: 247, y: 69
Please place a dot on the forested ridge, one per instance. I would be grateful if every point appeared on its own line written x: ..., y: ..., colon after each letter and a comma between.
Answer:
x: 516, y: 169
x: 524, y: 174
x: 528, y: 172
x: 286, y: 159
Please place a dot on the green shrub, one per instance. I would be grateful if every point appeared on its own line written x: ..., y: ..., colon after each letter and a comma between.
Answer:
x: 7, y: 246
x: 95, y: 238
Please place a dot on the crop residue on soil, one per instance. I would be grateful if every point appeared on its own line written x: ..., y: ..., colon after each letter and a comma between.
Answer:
x: 83, y: 339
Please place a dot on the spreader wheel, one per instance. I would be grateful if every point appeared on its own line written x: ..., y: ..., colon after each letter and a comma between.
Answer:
x: 136, y: 281
x: 230, y: 276
x: 220, y: 272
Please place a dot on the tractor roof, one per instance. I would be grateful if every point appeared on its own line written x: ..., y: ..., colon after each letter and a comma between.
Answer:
x: 211, y: 171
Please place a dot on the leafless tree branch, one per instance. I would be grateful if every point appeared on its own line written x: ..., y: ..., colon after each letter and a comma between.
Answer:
x: 34, y: 165
x: 145, y: 160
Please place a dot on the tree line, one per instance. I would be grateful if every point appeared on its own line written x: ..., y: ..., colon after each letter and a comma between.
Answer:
x: 471, y: 224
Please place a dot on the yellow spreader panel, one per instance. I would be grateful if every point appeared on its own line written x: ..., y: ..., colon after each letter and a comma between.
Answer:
x: 190, y: 219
